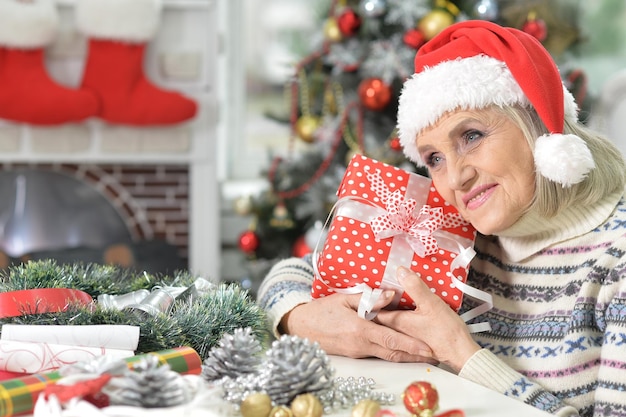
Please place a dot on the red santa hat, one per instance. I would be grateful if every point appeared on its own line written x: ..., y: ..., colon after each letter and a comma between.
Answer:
x: 475, y: 64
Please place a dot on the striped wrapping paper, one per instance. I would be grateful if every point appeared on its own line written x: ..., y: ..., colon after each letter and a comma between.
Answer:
x: 19, y: 395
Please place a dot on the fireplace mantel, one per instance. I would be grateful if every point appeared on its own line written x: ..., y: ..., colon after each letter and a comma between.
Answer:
x: 181, y: 57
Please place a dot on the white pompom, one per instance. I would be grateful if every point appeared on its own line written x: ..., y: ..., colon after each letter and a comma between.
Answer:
x: 564, y: 159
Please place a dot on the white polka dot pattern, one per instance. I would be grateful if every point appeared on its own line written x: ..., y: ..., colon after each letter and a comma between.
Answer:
x: 354, y: 253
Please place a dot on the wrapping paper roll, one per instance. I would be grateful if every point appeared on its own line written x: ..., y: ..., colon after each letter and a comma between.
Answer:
x: 19, y: 395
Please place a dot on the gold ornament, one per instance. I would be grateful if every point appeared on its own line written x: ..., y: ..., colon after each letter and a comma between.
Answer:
x: 281, y: 219
x: 306, y: 127
x: 434, y: 22
x: 281, y: 411
x: 243, y: 205
x: 365, y: 408
x: 307, y: 405
x: 331, y: 30
x: 256, y: 405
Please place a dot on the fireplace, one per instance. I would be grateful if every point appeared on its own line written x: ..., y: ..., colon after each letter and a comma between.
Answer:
x: 124, y: 214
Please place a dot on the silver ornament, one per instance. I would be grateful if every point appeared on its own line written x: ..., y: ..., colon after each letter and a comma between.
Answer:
x: 486, y: 10
x: 347, y: 392
x: 373, y: 8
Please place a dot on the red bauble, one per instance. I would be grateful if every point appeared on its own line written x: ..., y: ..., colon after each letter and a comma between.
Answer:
x: 374, y: 93
x: 421, y: 399
x: 395, y: 144
x: 537, y: 28
x: 414, y: 38
x: 349, y: 22
x: 248, y: 241
x: 300, y: 248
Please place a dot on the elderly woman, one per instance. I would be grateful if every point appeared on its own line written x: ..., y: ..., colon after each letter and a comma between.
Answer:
x: 486, y: 112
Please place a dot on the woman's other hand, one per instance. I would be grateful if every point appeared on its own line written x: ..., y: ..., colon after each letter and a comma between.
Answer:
x: 432, y: 321
x: 333, y: 322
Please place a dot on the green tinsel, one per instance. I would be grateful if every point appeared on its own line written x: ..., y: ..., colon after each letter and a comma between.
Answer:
x: 199, y: 323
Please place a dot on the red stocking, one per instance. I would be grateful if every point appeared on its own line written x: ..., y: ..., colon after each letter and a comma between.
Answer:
x: 27, y: 93
x: 118, y: 32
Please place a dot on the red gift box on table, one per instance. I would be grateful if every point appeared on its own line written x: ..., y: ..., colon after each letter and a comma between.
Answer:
x: 386, y: 217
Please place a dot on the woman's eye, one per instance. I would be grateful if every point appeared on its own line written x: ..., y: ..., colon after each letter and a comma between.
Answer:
x: 472, y: 136
x: 433, y: 160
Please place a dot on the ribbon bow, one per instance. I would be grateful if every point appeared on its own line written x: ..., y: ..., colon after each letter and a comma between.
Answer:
x: 401, y: 218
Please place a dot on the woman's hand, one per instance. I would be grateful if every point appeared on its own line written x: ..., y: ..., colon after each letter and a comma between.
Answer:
x: 333, y: 323
x: 432, y: 321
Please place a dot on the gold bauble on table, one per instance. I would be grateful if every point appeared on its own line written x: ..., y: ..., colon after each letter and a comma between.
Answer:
x: 281, y: 411
x: 306, y: 127
x: 256, y: 405
x: 365, y: 408
x: 307, y: 405
x: 434, y: 22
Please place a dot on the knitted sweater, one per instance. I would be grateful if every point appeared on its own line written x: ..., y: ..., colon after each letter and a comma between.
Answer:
x: 558, y: 338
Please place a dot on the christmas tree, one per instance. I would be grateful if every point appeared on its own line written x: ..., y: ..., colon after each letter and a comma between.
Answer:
x: 343, y: 100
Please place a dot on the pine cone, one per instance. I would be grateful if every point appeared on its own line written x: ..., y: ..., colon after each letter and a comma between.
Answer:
x: 294, y: 366
x: 237, y: 354
x: 148, y: 384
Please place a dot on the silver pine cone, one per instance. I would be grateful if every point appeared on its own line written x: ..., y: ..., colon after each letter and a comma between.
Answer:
x: 294, y: 366
x: 236, y: 354
x: 148, y: 384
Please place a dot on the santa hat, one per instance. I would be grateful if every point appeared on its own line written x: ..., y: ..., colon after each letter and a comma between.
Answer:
x: 474, y: 64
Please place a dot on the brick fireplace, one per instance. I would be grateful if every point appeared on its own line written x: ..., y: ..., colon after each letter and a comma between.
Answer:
x: 151, y: 199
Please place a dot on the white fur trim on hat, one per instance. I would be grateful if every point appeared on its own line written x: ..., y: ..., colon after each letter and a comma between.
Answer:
x: 28, y: 25
x: 122, y: 20
x: 564, y: 159
x: 465, y: 83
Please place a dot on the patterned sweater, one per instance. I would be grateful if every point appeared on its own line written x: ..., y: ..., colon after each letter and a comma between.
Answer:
x: 558, y: 338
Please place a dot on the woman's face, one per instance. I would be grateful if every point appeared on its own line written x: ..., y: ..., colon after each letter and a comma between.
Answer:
x: 481, y: 163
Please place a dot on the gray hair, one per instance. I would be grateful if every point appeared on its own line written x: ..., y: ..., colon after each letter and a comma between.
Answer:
x: 607, y: 177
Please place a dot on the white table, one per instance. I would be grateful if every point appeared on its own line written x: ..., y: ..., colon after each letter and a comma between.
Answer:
x: 454, y: 392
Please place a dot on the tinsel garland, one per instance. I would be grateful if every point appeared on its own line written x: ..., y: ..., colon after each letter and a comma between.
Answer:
x: 199, y: 323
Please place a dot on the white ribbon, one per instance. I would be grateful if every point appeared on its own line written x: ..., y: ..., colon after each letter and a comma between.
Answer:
x: 401, y: 252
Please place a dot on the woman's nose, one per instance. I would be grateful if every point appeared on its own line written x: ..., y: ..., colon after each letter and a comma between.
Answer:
x: 460, y: 173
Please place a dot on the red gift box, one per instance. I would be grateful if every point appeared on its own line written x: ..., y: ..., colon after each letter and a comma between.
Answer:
x: 386, y: 217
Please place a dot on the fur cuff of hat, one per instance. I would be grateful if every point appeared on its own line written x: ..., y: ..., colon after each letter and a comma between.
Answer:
x: 134, y: 21
x: 27, y: 25
x: 564, y: 159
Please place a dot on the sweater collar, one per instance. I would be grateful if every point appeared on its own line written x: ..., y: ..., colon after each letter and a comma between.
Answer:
x: 533, y: 232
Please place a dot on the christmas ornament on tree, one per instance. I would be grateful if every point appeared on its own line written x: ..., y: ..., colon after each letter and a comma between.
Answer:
x: 306, y: 127
x: 332, y: 31
x: 414, y: 38
x: 374, y: 93
x: 434, y: 22
x: 349, y: 22
x: 485, y: 10
x: 248, y: 241
x: 536, y: 27
x: 300, y: 247
x: 395, y: 144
